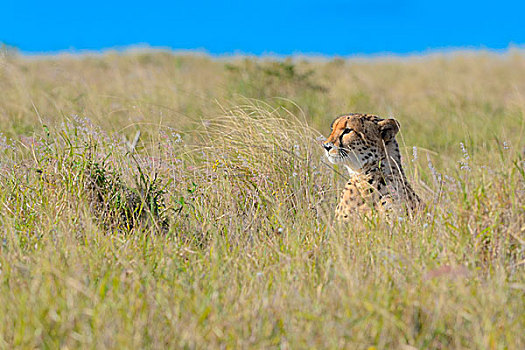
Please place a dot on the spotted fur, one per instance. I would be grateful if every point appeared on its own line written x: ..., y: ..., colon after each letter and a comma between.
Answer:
x: 366, y: 146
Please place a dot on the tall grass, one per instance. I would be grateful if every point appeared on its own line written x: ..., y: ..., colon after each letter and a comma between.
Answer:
x: 216, y: 228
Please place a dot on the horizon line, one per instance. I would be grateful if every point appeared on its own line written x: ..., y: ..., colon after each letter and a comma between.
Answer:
x: 146, y: 48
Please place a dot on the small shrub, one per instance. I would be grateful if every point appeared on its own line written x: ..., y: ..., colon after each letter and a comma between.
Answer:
x: 117, y: 206
x: 263, y: 80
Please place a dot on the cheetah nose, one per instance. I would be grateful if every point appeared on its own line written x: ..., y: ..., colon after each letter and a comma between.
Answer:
x: 328, y: 146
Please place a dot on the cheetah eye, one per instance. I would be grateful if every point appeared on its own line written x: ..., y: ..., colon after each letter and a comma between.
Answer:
x: 346, y: 131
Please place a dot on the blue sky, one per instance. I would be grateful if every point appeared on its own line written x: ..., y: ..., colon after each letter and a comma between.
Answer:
x: 327, y: 27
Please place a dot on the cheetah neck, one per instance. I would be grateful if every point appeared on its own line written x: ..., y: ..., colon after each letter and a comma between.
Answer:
x: 390, y: 161
x: 386, y: 169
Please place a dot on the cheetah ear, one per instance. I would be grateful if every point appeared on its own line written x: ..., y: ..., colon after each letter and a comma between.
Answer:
x: 388, y: 128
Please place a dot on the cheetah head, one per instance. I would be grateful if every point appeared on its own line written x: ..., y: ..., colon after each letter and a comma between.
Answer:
x: 359, y: 141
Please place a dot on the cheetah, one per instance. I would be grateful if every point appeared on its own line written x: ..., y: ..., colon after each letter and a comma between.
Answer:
x: 366, y: 145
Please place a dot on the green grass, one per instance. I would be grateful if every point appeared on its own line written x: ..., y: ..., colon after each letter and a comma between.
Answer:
x: 216, y: 229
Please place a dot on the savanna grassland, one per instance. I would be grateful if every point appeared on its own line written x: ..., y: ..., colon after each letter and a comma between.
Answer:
x: 156, y: 200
